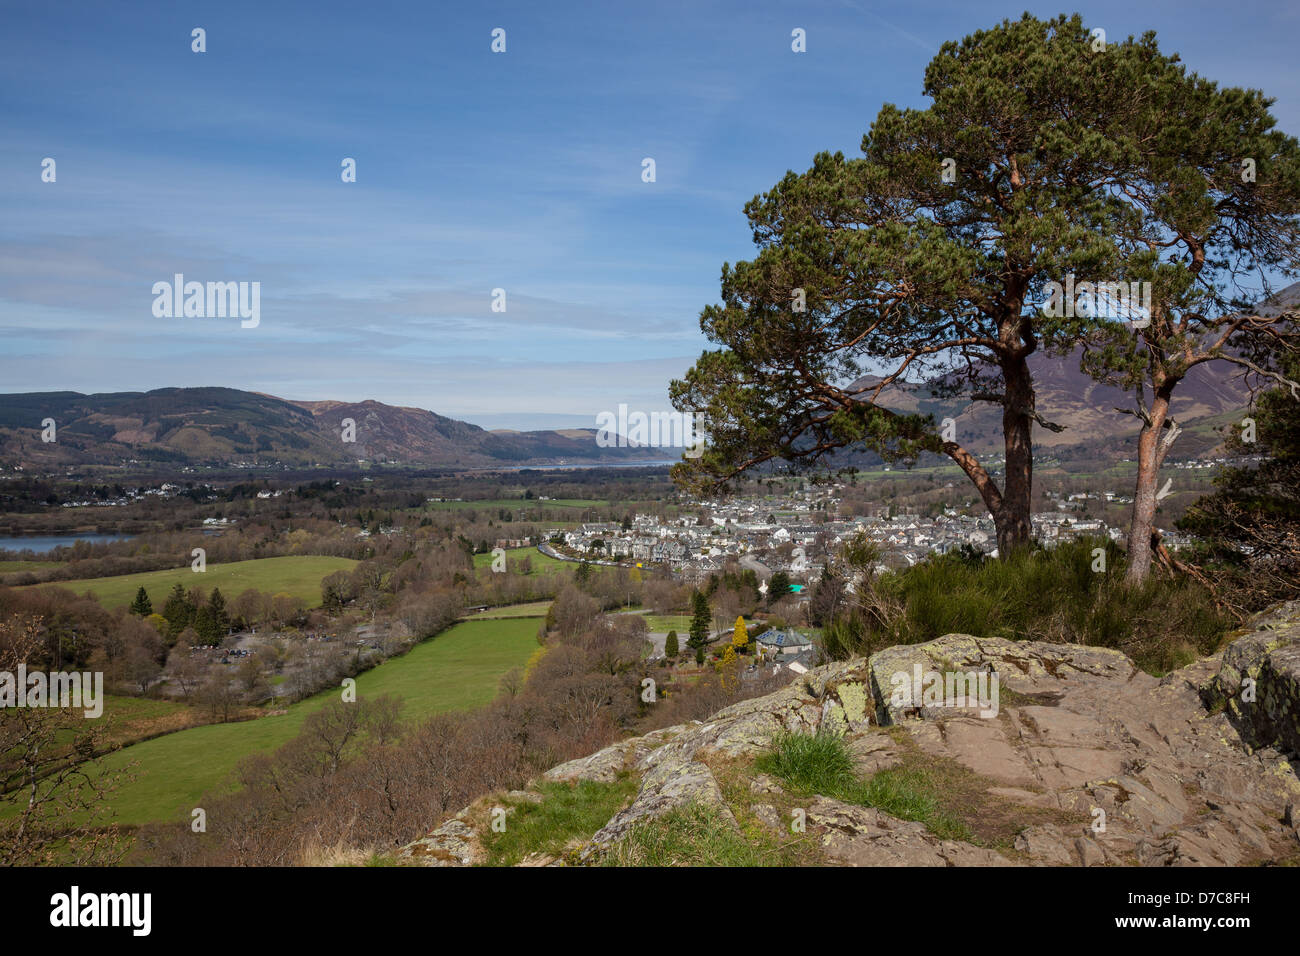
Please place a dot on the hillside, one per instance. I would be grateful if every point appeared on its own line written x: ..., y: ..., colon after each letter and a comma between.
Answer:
x: 1210, y: 395
x: 1083, y: 760
x: 457, y: 671
x: 221, y: 426
x: 1211, y: 398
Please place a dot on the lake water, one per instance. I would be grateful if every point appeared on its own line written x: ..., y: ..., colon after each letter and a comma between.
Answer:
x: 48, y: 542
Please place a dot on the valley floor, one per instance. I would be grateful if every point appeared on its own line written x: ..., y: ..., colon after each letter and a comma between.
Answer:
x: 457, y: 670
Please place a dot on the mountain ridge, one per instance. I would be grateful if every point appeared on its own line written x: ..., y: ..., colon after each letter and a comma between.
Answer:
x: 1088, y: 409
x: 217, y: 425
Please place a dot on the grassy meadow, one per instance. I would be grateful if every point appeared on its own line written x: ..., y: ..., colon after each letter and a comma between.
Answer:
x: 514, y: 504
x: 541, y: 563
x: 296, y: 575
x: 532, y: 609
x: 7, y: 567
x: 458, y: 670
x: 681, y: 623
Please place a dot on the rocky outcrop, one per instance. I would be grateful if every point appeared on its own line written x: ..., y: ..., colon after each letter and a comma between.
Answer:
x: 605, y: 765
x: 1028, y: 669
x: 863, y: 836
x: 1259, y: 682
x: 670, y: 784
x: 454, y: 843
x: 1105, y: 764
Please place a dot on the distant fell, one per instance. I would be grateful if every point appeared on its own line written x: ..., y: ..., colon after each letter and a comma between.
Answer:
x: 226, y: 426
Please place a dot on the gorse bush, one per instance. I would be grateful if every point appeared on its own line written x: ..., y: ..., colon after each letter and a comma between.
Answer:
x: 1046, y: 595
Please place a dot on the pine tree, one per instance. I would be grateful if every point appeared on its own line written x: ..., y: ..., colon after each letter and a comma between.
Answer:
x: 218, y: 603
x: 1034, y: 160
x: 701, y: 614
x: 331, y: 602
x: 142, y: 605
x: 178, y: 610
x: 826, y: 597
x: 206, y: 626
x: 1249, y: 527
x: 671, y: 650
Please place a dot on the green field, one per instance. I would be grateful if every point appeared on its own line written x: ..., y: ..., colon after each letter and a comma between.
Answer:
x: 297, y: 575
x: 8, y: 566
x: 457, y: 670
x: 515, y: 504
x: 532, y: 609
x: 128, y: 719
x: 681, y: 623
x: 542, y: 563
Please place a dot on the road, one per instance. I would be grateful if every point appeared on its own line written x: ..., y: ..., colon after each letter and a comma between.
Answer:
x: 758, y: 567
x: 550, y: 552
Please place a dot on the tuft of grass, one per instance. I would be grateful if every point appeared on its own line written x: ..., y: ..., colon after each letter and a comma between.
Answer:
x: 810, y: 763
x: 910, y: 793
x: 337, y: 855
x: 694, y: 835
x: 820, y: 764
x: 566, y: 813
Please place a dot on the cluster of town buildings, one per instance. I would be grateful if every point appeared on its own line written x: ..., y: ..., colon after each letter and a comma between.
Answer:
x: 128, y: 496
x: 798, y: 532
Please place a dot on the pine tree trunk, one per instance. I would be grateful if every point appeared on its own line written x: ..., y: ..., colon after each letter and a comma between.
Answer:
x: 1013, y: 517
x: 1152, y: 447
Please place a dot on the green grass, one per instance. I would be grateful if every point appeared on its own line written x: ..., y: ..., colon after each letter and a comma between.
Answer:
x: 457, y: 670
x: 541, y: 563
x: 695, y: 835
x: 531, y: 609
x: 121, y: 713
x: 566, y: 813
x: 909, y: 793
x: 514, y: 504
x: 128, y: 719
x: 296, y: 575
x: 681, y: 623
x: 810, y: 763
x: 820, y: 764
x: 8, y: 566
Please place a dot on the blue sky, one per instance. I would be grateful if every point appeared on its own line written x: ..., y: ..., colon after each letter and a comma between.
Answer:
x: 475, y: 171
